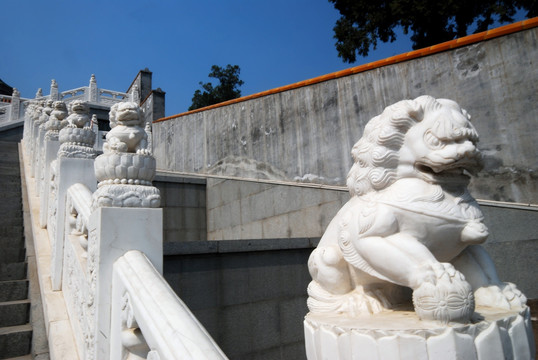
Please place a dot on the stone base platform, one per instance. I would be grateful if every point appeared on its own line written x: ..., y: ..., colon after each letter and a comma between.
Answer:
x: 502, y: 334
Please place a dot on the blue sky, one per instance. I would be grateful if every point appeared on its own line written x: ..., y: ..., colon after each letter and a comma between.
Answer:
x: 275, y: 43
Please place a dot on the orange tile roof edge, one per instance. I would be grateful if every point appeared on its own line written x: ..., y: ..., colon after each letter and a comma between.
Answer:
x: 452, y: 44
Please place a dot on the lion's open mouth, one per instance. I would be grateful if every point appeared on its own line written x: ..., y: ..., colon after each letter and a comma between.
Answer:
x: 455, y: 173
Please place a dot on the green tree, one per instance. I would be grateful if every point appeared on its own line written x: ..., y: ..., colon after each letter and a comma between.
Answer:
x: 227, y: 89
x: 364, y: 22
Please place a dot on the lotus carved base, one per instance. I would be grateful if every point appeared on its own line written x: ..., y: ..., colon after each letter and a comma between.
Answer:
x: 501, y: 334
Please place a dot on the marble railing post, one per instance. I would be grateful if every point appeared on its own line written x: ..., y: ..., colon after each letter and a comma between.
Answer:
x: 15, y: 105
x: 37, y: 131
x: 54, y: 95
x: 51, y: 146
x: 92, y: 96
x: 124, y: 216
x: 94, y: 239
x: 75, y: 164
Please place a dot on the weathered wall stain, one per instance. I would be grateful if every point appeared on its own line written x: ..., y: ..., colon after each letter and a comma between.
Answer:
x: 312, y: 128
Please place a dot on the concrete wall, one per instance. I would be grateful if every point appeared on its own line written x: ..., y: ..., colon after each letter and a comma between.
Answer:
x: 249, y: 288
x: 184, y: 208
x: 153, y: 105
x: 513, y: 245
x: 247, y: 210
x: 251, y: 299
x: 306, y: 134
x: 251, y: 210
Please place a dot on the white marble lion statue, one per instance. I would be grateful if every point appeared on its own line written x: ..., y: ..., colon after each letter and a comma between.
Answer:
x: 127, y: 133
x: 410, y: 222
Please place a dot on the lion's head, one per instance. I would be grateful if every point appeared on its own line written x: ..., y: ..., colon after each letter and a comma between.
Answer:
x: 125, y: 113
x: 79, y: 107
x: 427, y: 138
x: 59, y: 110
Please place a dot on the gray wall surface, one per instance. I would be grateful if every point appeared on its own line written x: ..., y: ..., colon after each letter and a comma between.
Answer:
x: 513, y: 245
x: 251, y: 302
x: 306, y: 134
x: 247, y: 210
x: 249, y: 287
x: 184, y: 208
x: 253, y: 210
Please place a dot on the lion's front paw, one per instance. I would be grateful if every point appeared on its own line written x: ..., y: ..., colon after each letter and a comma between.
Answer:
x: 448, y: 298
x: 504, y: 296
x: 434, y: 272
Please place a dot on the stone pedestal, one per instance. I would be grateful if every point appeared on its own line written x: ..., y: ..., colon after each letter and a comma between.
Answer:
x: 501, y: 334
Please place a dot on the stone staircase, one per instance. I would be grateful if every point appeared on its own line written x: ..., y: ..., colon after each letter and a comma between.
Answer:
x: 15, y: 326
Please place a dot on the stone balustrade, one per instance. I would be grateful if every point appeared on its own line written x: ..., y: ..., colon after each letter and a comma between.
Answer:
x: 146, y: 311
x: 10, y: 107
x: 13, y: 108
x: 98, y: 231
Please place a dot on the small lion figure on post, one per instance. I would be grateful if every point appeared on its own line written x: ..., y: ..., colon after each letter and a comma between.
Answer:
x: 411, y: 222
x: 127, y: 133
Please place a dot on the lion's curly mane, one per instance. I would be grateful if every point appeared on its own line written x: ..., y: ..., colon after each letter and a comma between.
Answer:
x: 376, y: 154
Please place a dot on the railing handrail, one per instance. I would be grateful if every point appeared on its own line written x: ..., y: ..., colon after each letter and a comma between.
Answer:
x: 81, y: 199
x: 114, y: 93
x: 167, y: 324
x: 67, y: 92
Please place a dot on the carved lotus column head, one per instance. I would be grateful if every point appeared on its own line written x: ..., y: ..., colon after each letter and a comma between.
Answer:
x: 126, y: 168
x: 77, y: 137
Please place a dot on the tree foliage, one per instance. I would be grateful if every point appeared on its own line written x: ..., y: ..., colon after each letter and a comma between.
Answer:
x: 227, y: 89
x: 364, y: 22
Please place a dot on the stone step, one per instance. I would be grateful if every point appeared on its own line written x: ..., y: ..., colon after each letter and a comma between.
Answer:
x: 12, y: 290
x: 11, y: 242
x: 16, y: 342
x: 9, y: 179
x: 13, y: 271
x: 12, y: 254
x: 12, y: 231
x: 10, y: 205
x: 10, y: 196
x: 10, y: 170
x: 8, y: 158
x: 10, y: 187
x: 14, y: 313
x: 11, y: 219
x: 28, y: 357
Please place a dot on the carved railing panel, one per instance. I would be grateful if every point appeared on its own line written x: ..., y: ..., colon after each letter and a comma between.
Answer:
x: 149, y: 320
x: 89, y: 228
x: 79, y: 270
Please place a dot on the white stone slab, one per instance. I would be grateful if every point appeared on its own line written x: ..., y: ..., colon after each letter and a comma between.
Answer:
x: 70, y: 171
x: 51, y: 151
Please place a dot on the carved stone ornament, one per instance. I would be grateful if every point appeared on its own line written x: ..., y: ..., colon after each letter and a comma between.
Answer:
x: 45, y: 113
x: 126, y: 168
x: 56, y: 120
x: 411, y: 231
x: 77, y: 137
